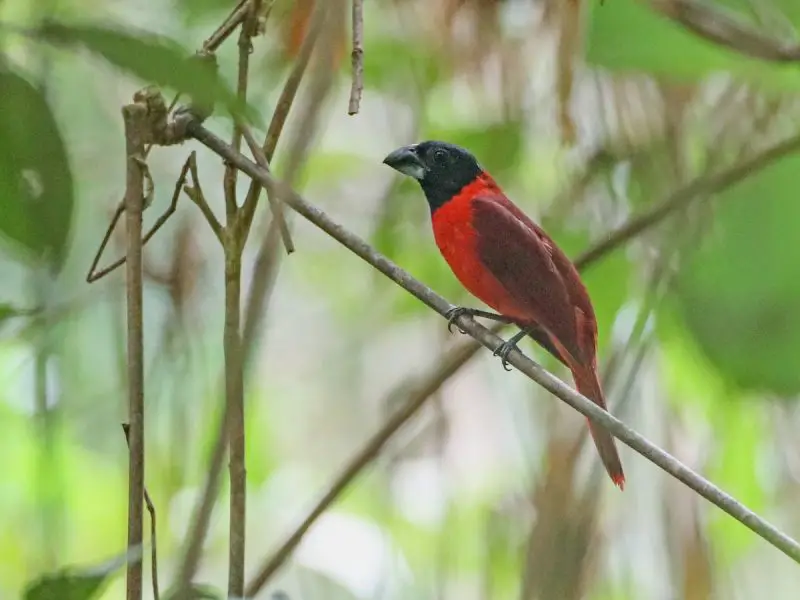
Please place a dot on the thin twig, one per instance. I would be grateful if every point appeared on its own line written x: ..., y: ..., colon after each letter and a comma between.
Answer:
x: 278, y: 121
x: 248, y: 27
x: 233, y: 243
x: 580, y: 403
x: 702, y: 186
x: 229, y: 25
x: 357, y: 58
x: 202, y: 514
x: 419, y: 392
x: 135, y: 117
x: 279, y: 219
x: 722, y: 28
x: 268, y: 259
x: 94, y: 275
x: 195, y: 194
x: 151, y: 509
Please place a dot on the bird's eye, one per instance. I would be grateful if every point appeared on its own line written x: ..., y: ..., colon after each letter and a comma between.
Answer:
x: 439, y: 155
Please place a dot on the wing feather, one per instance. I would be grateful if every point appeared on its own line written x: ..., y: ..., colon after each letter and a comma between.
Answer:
x: 525, y: 262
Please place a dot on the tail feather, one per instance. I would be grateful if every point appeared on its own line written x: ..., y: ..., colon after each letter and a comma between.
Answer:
x: 587, y: 383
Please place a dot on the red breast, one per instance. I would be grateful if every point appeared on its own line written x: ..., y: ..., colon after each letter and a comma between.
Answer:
x: 456, y: 237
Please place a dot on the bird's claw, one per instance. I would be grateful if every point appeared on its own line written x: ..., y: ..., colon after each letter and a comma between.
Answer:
x: 503, y: 350
x: 453, y: 314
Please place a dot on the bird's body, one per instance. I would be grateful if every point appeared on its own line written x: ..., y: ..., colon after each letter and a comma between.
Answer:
x: 507, y: 261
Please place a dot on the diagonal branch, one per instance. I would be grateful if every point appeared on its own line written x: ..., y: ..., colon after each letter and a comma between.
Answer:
x: 708, y: 184
x: 726, y: 30
x: 282, y: 108
x: 419, y: 392
x: 488, y: 339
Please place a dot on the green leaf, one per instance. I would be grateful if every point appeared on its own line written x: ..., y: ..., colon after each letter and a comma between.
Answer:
x: 36, y: 187
x: 153, y: 58
x: 77, y: 584
x: 739, y: 292
x: 630, y: 36
x: 741, y: 429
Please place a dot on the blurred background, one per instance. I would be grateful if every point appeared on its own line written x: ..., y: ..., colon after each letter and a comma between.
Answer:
x: 588, y: 116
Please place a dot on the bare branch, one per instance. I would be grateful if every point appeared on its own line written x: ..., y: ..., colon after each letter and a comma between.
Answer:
x: 275, y: 206
x: 708, y: 184
x: 195, y: 194
x: 135, y: 117
x: 726, y: 30
x: 357, y: 57
x: 280, y: 115
x: 94, y: 275
x: 229, y: 25
x: 126, y: 428
x: 580, y: 403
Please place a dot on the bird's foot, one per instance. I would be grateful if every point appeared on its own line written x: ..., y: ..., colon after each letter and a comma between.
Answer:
x: 503, y: 350
x: 456, y: 312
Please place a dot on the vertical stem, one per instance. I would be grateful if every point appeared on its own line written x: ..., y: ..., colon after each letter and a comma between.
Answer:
x: 234, y: 392
x: 135, y: 126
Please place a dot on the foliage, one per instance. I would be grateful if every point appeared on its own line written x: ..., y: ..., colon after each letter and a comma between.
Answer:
x: 720, y: 342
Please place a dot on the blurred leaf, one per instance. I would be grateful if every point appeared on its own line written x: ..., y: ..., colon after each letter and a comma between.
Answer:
x: 385, y: 55
x: 497, y: 146
x: 150, y: 57
x: 330, y: 167
x: 197, y: 591
x: 8, y: 311
x: 740, y: 429
x: 199, y: 10
x: 632, y: 37
x: 36, y: 188
x: 65, y: 586
x: 74, y: 584
x: 691, y: 380
x: 739, y: 291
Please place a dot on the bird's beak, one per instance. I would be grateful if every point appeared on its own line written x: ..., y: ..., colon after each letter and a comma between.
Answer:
x: 406, y: 161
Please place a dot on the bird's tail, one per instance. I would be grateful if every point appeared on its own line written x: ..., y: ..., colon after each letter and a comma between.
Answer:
x: 587, y: 383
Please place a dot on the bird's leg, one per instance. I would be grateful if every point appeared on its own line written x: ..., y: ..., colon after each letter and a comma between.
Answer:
x: 539, y: 335
x: 459, y: 311
x: 504, y: 349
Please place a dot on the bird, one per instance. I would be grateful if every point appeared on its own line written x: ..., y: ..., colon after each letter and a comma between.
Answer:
x: 507, y: 261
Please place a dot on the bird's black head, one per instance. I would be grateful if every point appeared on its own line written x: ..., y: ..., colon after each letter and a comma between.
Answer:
x: 442, y: 169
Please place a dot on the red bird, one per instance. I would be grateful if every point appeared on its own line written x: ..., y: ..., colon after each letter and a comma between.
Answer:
x: 508, y: 262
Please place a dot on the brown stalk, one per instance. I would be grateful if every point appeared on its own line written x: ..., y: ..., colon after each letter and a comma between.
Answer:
x: 135, y: 118
x: 357, y: 57
x: 278, y: 121
x: 151, y: 509
x: 233, y: 245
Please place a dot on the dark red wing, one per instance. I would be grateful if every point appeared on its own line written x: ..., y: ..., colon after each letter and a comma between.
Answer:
x: 522, y: 262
